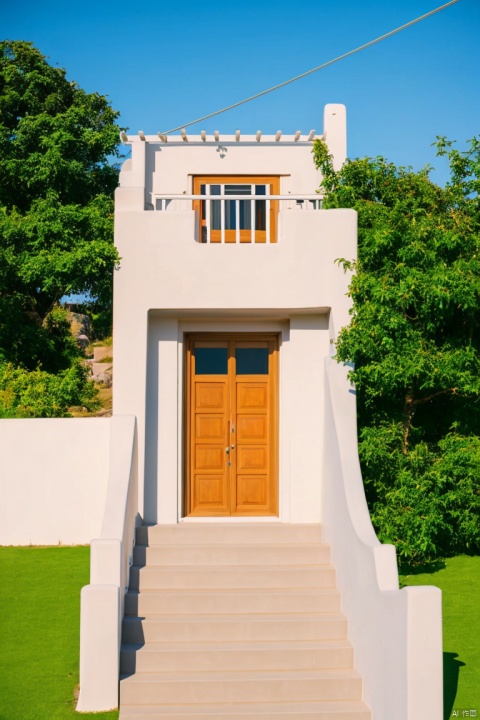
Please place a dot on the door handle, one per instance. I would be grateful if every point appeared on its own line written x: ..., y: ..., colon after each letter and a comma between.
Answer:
x: 227, y: 450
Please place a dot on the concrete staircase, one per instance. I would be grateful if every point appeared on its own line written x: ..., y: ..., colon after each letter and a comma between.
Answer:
x: 233, y: 622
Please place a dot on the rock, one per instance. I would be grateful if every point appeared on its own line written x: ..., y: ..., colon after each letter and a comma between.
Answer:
x: 83, y: 341
x: 80, y: 324
x: 104, y: 378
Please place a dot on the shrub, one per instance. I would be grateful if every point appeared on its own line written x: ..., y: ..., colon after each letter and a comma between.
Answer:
x: 41, y: 394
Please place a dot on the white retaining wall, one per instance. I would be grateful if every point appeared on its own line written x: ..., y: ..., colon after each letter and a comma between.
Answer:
x: 102, y: 602
x: 53, y: 480
x: 397, y: 634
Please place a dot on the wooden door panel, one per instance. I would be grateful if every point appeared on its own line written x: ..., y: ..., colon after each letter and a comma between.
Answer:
x: 252, y: 428
x: 210, y: 427
x: 210, y: 396
x: 251, y: 493
x: 210, y: 495
x: 252, y: 396
x: 209, y: 492
x: 252, y: 458
x: 208, y: 457
x: 245, y: 236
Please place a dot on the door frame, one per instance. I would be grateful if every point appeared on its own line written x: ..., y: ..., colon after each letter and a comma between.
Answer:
x: 212, y: 336
x: 244, y: 235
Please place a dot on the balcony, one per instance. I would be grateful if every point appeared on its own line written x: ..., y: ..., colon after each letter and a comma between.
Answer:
x: 227, y: 217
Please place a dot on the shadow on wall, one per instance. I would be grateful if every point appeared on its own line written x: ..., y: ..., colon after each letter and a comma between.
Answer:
x: 451, y: 671
x: 151, y: 427
x: 161, y: 415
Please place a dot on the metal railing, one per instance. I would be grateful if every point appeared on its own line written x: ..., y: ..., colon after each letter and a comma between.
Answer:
x: 236, y: 218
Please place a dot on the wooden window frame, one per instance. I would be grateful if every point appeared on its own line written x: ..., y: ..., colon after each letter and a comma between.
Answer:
x: 245, y: 236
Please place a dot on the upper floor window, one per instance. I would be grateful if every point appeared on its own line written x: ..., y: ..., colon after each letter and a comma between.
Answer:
x: 237, y: 208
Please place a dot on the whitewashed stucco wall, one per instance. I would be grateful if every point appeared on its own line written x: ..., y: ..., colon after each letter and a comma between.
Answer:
x: 53, y: 480
x: 165, y: 274
x: 304, y: 339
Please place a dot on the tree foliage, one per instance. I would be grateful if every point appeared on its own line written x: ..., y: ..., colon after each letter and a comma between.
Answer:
x: 56, y: 204
x: 415, y: 343
x: 37, y: 393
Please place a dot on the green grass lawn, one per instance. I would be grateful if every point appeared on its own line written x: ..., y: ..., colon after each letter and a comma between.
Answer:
x: 39, y: 632
x: 459, y: 580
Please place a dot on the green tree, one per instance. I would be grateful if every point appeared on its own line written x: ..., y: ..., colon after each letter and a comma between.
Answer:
x: 56, y: 205
x: 415, y: 343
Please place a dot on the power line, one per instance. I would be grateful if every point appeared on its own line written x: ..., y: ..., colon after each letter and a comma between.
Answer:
x: 315, y: 69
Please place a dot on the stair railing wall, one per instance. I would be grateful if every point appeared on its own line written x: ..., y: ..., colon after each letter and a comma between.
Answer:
x: 102, y: 601
x: 397, y: 634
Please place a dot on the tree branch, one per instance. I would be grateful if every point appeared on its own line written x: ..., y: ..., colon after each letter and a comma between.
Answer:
x: 410, y: 405
x: 447, y: 391
x: 409, y: 410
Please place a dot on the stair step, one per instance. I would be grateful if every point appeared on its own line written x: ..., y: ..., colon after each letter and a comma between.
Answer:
x: 326, y: 710
x: 195, y: 577
x: 197, y: 602
x: 303, y: 685
x: 190, y: 657
x: 239, y: 554
x: 236, y: 621
x: 249, y: 533
x: 227, y: 628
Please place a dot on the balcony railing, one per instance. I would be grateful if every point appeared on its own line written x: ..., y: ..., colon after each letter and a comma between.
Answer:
x: 228, y: 218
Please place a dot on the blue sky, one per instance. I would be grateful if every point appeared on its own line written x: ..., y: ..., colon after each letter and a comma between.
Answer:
x: 162, y: 65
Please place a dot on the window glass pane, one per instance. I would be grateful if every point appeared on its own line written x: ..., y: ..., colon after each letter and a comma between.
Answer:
x: 215, y: 214
x: 260, y: 208
x: 252, y: 361
x: 261, y: 215
x: 238, y: 214
x: 211, y: 361
x: 238, y: 189
x: 245, y: 215
x: 230, y: 215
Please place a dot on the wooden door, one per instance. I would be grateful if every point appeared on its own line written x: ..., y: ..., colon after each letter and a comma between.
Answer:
x: 251, y: 217
x: 231, y: 425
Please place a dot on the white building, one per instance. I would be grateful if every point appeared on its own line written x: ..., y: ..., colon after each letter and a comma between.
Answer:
x: 232, y: 419
x: 190, y: 273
